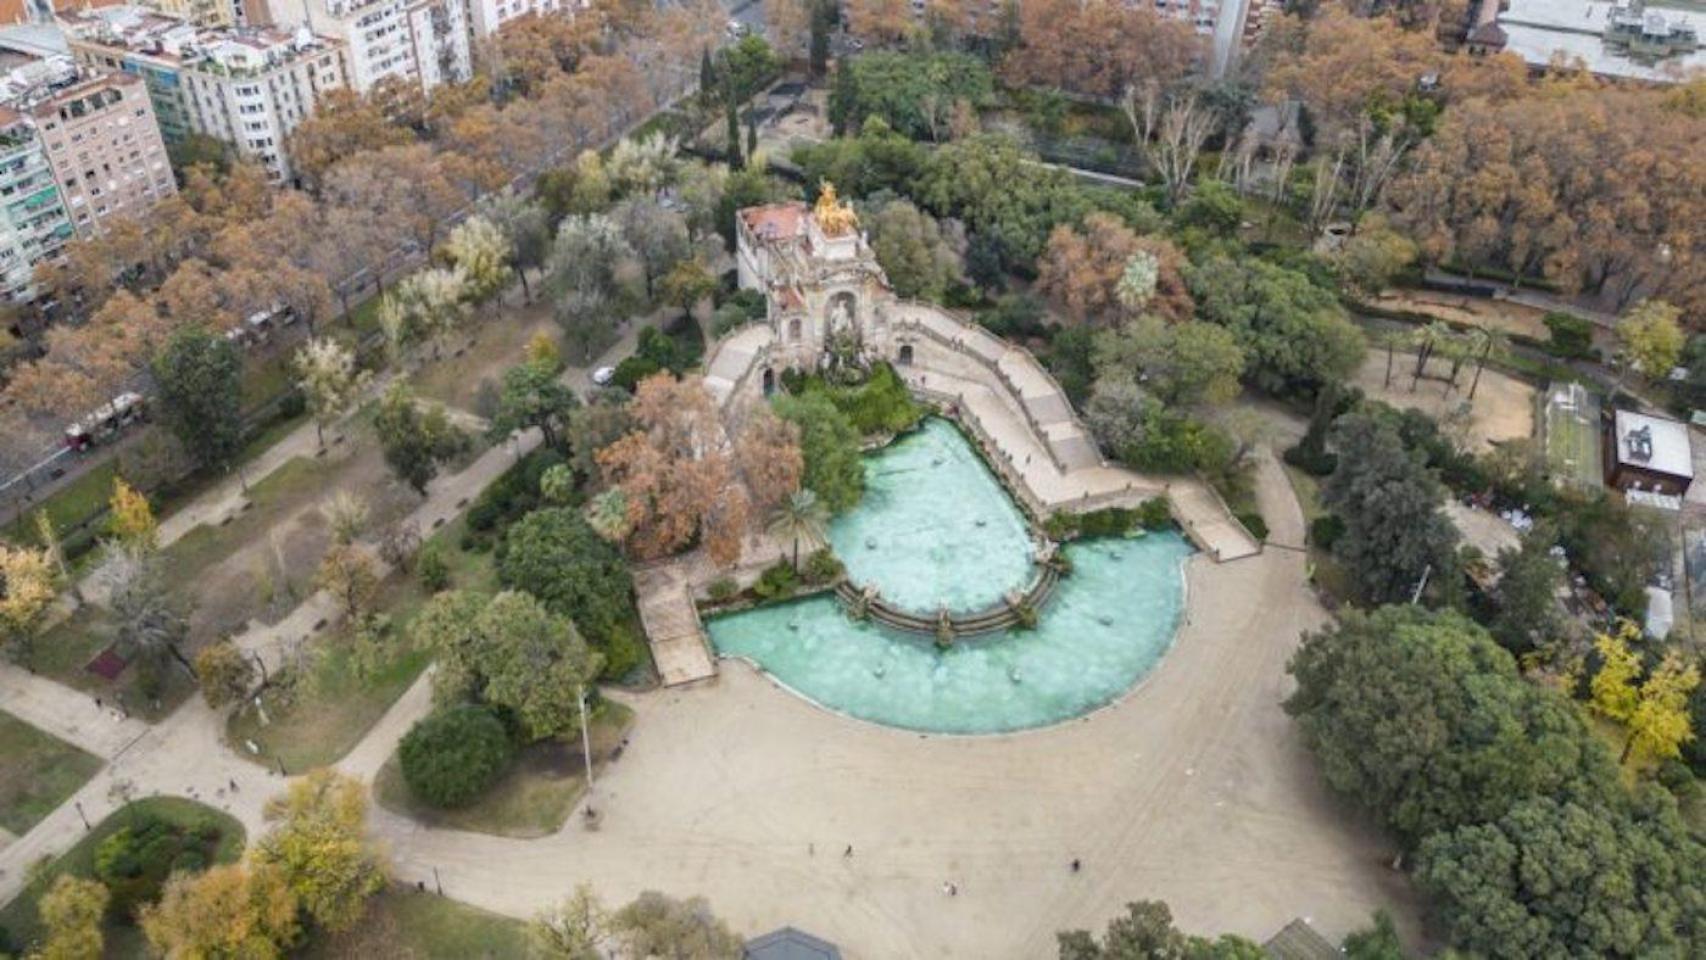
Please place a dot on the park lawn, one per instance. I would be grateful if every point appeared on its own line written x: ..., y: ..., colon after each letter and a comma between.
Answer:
x: 123, y: 938
x: 404, y: 923
x: 1308, y: 492
x: 297, y: 482
x: 38, y: 771
x: 335, y: 707
x: 499, y: 343
x: 533, y: 798
x: 76, y: 502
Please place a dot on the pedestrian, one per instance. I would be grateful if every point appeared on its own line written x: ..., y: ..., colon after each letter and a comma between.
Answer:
x: 953, y: 890
x: 1076, y: 865
x: 847, y: 852
x: 947, y: 889
x: 233, y: 784
x: 98, y: 704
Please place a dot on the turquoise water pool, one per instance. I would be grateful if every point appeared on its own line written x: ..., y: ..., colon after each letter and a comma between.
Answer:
x: 935, y: 528
x: 1105, y: 627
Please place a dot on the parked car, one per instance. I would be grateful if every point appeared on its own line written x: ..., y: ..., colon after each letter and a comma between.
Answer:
x: 603, y: 375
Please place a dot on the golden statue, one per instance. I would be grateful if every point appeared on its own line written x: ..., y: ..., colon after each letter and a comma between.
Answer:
x: 834, y: 218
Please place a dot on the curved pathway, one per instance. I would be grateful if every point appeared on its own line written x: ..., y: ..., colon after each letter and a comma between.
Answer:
x: 1194, y: 789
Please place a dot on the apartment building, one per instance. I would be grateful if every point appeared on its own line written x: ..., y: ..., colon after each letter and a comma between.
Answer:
x: 34, y: 224
x: 105, y: 150
x: 248, y: 87
x: 422, y: 41
x: 487, y: 17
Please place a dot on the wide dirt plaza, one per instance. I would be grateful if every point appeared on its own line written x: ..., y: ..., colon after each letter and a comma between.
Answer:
x: 1194, y: 789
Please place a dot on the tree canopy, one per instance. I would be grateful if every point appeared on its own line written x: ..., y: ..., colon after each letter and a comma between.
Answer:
x: 554, y: 555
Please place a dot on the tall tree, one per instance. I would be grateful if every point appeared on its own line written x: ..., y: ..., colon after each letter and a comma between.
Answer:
x: 509, y: 652
x: 28, y: 578
x: 230, y: 910
x: 525, y: 223
x: 72, y: 911
x: 1559, y: 878
x: 1390, y: 502
x: 330, y: 380
x: 675, y: 469
x: 317, y: 840
x: 655, y: 925
x: 1468, y: 739
x: 1649, y: 340
x: 532, y: 396
x: 200, y: 380
x: 1526, y: 596
x: 575, y: 929
x: 829, y: 447
x: 799, y: 517
x: 149, y: 617
x: 914, y: 255
x: 415, y: 440
x: 481, y: 251
x: 554, y: 555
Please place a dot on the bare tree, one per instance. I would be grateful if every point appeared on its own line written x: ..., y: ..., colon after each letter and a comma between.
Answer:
x: 1170, y: 130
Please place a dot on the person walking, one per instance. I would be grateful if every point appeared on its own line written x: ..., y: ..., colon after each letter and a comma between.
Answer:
x: 1076, y: 864
x: 847, y: 853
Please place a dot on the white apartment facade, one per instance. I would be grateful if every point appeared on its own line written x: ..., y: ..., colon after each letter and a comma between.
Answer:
x: 422, y: 41
x: 247, y: 87
x: 489, y: 16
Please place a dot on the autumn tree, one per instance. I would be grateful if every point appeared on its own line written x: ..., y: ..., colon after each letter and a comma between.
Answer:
x: 330, y: 380
x: 230, y: 910
x: 414, y: 439
x: 525, y: 223
x: 1170, y: 130
x: 768, y: 456
x: 676, y: 471
x: 72, y: 911
x: 225, y: 674
x: 481, y: 252
x: 1099, y: 48
x: 343, y: 124
x: 1083, y: 271
x: 654, y: 925
x: 1654, y: 710
x: 1649, y: 339
x: 878, y: 21
x: 200, y: 381
x: 788, y: 22
x: 30, y: 586
x: 1576, y: 186
x: 350, y: 573
x: 574, y: 929
x: 132, y: 518
x: 317, y: 842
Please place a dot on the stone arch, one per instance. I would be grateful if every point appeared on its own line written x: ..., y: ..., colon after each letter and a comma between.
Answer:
x: 905, y: 358
x: 768, y: 381
x: 794, y: 330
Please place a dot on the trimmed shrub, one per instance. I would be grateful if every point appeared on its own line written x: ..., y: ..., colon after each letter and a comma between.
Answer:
x: 1253, y: 522
x: 723, y: 589
x: 1326, y: 530
x: 431, y: 567
x: 822, y: 566
x: 453, y: 755
x: 777, y: 581
x: 623, y: 652
x: 135, y: 861
x: 1571, y: 336
x: 1155, y: 513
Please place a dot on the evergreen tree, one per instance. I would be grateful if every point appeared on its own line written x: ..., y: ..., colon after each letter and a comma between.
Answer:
x: 707, y: 76
x: 732, y: 114
x: 751, y: 134
x: 820, y: 39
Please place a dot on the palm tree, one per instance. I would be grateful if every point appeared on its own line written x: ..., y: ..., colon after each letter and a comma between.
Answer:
x: 800, y: 517
x: 1493, y: 343
x: 607, y: 515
